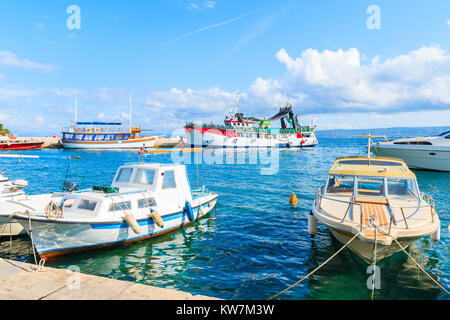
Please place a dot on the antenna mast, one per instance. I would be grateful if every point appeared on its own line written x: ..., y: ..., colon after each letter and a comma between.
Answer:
x: 130, y: 114
x: 76, y: 111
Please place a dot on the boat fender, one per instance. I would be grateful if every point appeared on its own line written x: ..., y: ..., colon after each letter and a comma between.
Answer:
x: 157, y: 218
x: 312, y: 224
x: 293, y: 199
x: 188, y: 210
x: 436, y: 236
x: 212, y: 204
x: 131, y: 220
x: 201, y: 211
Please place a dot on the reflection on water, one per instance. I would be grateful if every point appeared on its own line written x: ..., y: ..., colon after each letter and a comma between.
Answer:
x: 255, y: 244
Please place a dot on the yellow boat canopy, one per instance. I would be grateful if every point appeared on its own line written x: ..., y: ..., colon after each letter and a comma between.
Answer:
x: 374, y: 166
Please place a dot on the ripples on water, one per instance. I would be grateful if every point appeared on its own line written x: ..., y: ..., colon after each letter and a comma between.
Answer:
x: 255, y: 244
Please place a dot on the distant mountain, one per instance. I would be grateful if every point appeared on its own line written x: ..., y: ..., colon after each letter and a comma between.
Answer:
x: 398, y: 132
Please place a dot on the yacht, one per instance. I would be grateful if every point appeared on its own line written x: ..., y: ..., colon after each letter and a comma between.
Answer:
x: 429, y: 153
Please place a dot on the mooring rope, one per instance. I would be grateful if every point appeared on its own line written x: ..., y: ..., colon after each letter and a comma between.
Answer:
x: 374, y: 263
x: 324, y: 263
x: 417, y: 264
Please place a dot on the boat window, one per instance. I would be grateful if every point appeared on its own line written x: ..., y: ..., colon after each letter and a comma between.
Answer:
x: 341, y: 185
x: 87, y: 205
x: 446, y: 133
x: 119, y: 137
x: 68, y: 136
x: 146, y: 203
x: 418, y: 143
x: 402, y: 188
x: 110, y: 137
x: 126, y: 205
x: 88, y: 137
x: 124, y: 175
x: 99, y: 137
x: 79, y: 137
x: 145, y: 176
x: 169, y: 180
x: 370, y: 187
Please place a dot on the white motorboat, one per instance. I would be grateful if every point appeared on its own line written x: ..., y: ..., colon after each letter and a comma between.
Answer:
x: 379, y: 201
x: 430, y: 153
x: 11, y: 190
x: 144, y: 201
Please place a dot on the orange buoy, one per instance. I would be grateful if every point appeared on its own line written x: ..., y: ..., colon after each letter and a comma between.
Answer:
x: 293, y: 200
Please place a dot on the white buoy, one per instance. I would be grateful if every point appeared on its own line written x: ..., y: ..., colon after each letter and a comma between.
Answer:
x: 436, y: 236
x: 312, y: 224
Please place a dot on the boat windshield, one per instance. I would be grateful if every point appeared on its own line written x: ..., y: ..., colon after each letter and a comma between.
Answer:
x: 124, y: 175
x: 402, y: 188
x: 370, y: 187
x: 443, y: 133
x: 145, y: 176
x: 340, y: 185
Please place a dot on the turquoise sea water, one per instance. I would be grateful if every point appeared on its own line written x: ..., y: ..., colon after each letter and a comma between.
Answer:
x: 255, y: 244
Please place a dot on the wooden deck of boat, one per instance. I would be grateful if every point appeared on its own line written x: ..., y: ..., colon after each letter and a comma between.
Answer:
x: 22, y: 281
x: 374, y: 208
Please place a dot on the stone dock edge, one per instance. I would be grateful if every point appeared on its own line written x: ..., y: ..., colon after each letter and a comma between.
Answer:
x: 23, y: 281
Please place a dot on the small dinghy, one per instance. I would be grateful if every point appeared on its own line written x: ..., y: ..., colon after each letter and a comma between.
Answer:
x: 377, y: 199
x: 144, y: 201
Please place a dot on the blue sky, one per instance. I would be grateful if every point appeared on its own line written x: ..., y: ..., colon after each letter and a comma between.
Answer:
x: 185, y: 60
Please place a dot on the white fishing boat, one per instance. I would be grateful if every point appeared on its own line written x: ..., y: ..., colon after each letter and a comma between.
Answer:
x: 144, y: 201
x: 239, y: 131
x: 430, y: 153
x: 378, y: 199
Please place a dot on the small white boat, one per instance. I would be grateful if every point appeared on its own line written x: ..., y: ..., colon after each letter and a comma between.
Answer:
x: 11, y: 190
x: 430, y: 153
x: 144, y: 201
x: 378, y: 199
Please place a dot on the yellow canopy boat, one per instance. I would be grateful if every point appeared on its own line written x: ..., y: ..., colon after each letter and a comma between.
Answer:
x: 379, y: 199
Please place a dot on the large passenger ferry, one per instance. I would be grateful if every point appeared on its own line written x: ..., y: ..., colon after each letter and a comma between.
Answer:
x: 249, y: 132
x: 105, y: 135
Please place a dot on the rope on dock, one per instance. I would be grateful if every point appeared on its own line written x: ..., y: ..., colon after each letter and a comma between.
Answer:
x: 324, y: 263
x: 417, y: 264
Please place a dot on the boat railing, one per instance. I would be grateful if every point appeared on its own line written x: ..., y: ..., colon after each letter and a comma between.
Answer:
x: 429, y: 199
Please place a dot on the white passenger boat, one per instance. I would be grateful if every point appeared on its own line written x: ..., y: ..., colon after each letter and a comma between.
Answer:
x: 377, y: 199
x: 144, y: 201
x: 105, y: 135
x: 430, y: 153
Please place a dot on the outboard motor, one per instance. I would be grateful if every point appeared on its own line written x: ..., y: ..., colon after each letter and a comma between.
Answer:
x: 70, y: 186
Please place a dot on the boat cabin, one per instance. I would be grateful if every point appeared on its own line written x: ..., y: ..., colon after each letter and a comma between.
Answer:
x: 135, y: 188
x: 100, y: 131
x: 371, y: 178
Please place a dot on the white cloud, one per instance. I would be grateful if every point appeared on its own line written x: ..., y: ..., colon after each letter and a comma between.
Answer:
x: 209, y: 4
x: 8, y: 58
x: 448, y: 22
x: 39, y: 120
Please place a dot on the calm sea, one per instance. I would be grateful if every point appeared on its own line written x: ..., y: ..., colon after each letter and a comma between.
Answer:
x: 255, y: 244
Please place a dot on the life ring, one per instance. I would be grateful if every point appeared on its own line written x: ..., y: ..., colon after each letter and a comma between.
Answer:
x: 189, y: 212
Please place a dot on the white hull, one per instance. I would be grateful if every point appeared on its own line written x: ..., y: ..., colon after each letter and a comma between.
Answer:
x: 416, y: 157
x: 54, y: 238
x: 126, y: 144
x: 196, y: 139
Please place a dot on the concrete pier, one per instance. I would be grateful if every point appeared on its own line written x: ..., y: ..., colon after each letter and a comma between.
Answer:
x: 23, y: 281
